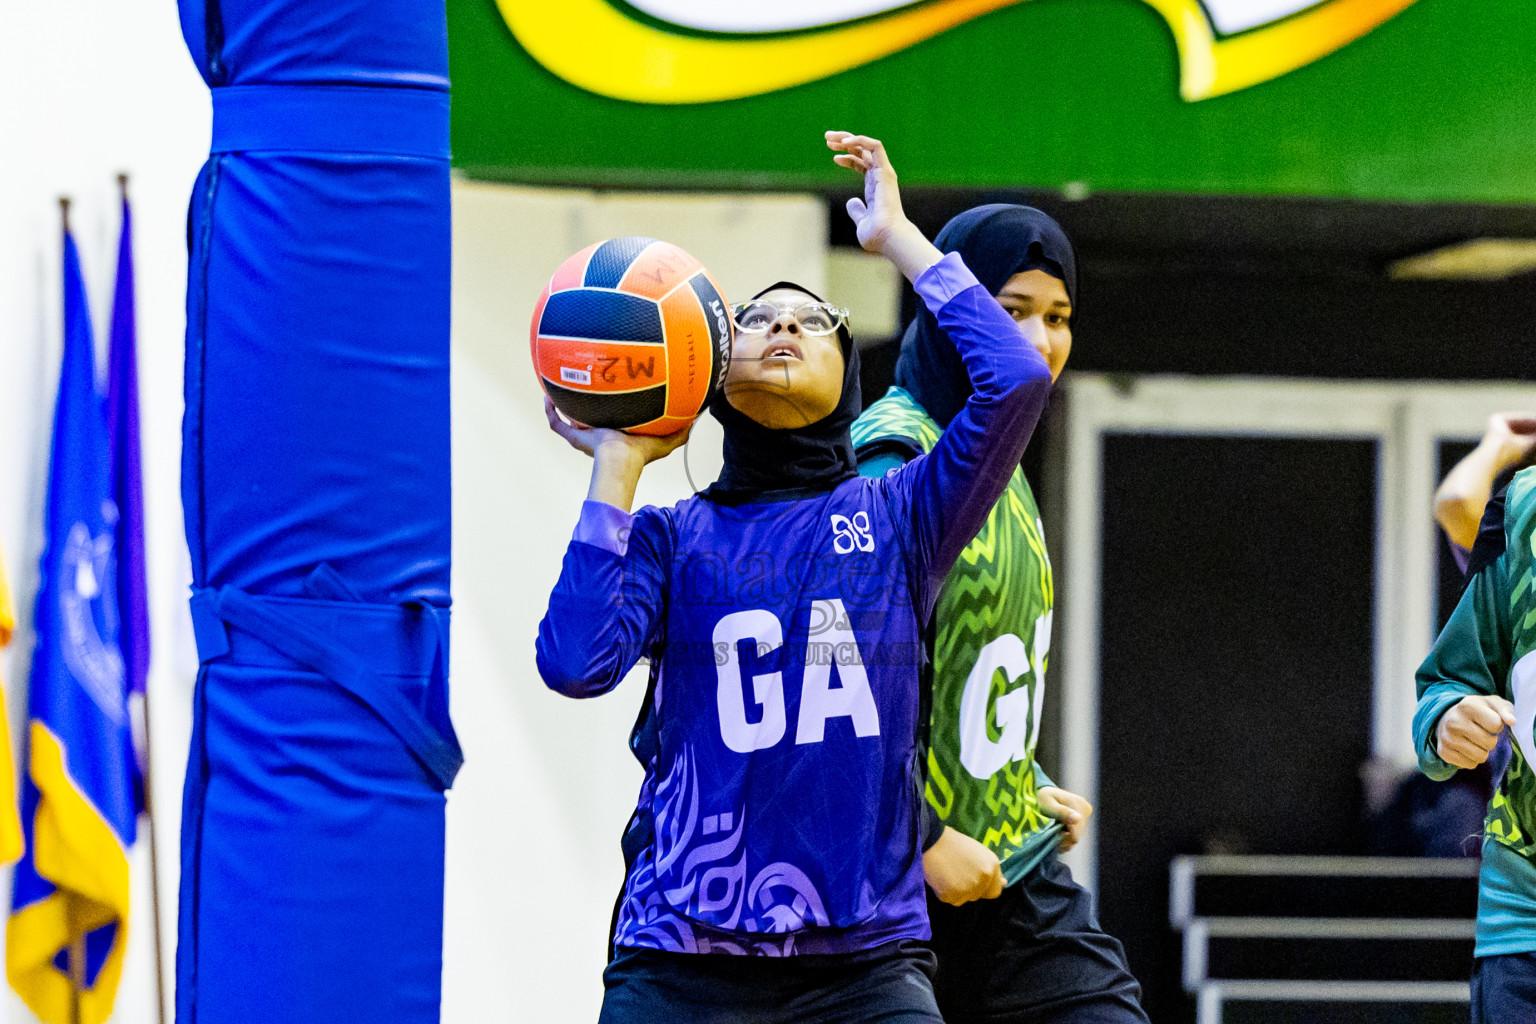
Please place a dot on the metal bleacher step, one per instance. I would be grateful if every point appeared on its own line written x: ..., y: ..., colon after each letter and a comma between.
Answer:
x: 1325, y: 940
x: 1366, y: 887
x: 1332, y: 1002
x: 1326, y: 949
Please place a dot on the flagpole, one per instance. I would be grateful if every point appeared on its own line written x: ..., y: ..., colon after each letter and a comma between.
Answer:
x: 77, y: 946
x: 77, y: 977
x: 154, y: 856
x: 154, y: 861
x: 146, y: 767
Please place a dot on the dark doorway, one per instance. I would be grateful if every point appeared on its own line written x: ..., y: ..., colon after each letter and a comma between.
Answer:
x: 1236, y: 666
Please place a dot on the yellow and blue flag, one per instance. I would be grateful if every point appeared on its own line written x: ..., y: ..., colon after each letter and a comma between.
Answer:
x: 10, y: 821
x: 78, y: 799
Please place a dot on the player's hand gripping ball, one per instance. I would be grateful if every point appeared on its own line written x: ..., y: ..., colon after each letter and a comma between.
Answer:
x: 631, y: 334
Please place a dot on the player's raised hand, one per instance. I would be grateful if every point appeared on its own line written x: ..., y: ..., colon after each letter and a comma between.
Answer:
x: 589, y: 440
x: 617, y: 457
x: 1068, y: 808
x: 959, y: 869
x: 1470, y: 730
x: 881, y: 224
x: 1514, y: 435
x: 879, y: 211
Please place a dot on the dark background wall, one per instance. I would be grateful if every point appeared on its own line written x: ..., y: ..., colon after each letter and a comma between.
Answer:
x: 1289, y: 287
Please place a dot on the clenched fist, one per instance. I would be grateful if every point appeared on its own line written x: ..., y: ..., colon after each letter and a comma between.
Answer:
x: 1470, y: 729
x: 959, y: 869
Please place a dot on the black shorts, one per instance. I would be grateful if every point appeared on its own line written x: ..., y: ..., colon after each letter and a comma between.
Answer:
x: 1034, y: 955
x: 888, y: 985
x: 1504, y: 988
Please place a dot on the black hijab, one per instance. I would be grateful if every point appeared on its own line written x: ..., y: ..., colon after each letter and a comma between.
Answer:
x: 782, y: 465
x: 996, y: 242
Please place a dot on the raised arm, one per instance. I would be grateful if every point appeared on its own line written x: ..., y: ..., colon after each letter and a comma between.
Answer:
x: 954, y: 486
x: 605, y: 607
x: 951, y: 489
x: 1459, y: 500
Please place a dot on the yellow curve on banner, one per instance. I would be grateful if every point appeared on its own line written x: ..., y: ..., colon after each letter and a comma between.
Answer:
x: 598, y: 47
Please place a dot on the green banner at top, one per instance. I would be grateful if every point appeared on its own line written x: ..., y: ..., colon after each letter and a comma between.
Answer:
x: 1377, y: 99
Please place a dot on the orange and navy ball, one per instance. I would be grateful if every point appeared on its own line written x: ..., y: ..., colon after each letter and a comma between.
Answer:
x: 633, y: 334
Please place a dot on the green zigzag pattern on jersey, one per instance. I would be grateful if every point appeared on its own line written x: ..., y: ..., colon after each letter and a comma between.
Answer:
x: 891, y: 416
x: 1004, y: 811
x: 970, y: 606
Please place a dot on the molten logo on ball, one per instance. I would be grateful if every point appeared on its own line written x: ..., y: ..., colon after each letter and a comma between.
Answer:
x: 632, y: 334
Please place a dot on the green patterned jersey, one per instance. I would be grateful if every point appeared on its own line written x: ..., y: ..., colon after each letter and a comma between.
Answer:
x: 1489, y: 647
x: 991, y: 641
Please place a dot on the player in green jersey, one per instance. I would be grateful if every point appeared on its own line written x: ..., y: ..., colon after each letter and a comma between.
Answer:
x: 1480, y: 679
x: 1017, y: 940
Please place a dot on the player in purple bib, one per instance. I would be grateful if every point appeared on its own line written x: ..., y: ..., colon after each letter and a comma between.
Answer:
x: 783, y: 613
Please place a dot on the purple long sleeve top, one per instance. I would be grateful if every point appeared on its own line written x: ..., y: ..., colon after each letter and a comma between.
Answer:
x: 779, y: 812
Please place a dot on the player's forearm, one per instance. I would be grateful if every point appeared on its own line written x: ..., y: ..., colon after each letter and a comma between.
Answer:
x: 1469, y: 658
x: 615, y: 475
x: 1461, y: 496
x: 909, y: 249
x: 1433, y: 705
x: 972, y: 463
x: 601, y: 610
x: 1009, y: 377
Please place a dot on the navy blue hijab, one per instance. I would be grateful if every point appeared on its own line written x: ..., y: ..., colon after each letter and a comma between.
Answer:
x: 996, y: 242
x: 784, y: 465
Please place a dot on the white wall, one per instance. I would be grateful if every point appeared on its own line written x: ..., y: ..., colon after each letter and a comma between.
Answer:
x: 535, y: 818
x: 89, y: 88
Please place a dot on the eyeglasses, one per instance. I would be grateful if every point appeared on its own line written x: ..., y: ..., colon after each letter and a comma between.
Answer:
x: 815, y: 318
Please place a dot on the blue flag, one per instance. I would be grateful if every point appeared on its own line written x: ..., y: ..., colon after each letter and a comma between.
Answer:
x: 127, y: 475
x: 78, y: 801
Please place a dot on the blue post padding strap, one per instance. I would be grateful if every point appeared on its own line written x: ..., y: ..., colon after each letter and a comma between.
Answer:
x: 322, y: 636
x: 383, y: 121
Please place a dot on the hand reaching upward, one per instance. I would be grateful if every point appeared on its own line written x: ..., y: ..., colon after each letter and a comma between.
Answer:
x: 879, y: 210
x: 882, y: 225
x: 1512, y: 434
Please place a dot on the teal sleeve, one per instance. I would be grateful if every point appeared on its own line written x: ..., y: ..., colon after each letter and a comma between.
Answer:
x: 881, y: 463
x: 1041, y: 779
x: 1471, y: 656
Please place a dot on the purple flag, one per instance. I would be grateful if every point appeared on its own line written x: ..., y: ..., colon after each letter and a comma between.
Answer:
x: 127, y: 478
